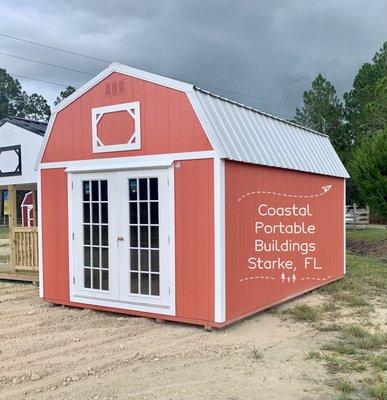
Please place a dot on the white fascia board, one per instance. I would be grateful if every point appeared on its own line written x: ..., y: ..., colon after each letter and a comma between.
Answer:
x: 207, y: 127
x: 127, y: 162
x: 154, y: 78
x: 125, y: 70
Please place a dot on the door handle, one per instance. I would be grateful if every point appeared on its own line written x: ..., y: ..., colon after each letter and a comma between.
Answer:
x: 120, y: 238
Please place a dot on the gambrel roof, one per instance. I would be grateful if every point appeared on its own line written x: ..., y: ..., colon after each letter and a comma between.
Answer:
x: 238, y: 132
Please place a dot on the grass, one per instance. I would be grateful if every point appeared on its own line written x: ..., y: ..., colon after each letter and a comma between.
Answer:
x: 304, y: 313
x: 367, y: 234
x: 377, y: 388
x: 345, y: 386
x: 366, y: 278
x: 334, y: 327
x: 313, y: 355
x: 4, y: 232
x: 256, y: 354
x: 4, y: 258
x: 362, y: 339
x: 356, y: 349
x: 378, y: 362
x: 354, y: 355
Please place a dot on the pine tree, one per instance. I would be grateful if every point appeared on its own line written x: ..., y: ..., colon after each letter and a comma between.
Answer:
x: 323, y: 112
x: 16, y: 102
x: 368, y: 96
x: 64, y: 93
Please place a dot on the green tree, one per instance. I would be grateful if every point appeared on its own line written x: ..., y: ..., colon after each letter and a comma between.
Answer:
x: 10, y: 95
x: 368, y: 88
x: 35, y: 107
x: 323, y: 112
x: 375, y: 112
x: 368, y: 169
x: 16, y: 102
x: 64, y: 93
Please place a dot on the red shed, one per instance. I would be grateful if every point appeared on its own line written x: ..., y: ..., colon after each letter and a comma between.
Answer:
x: 27, y: 209
x: 163, y: 200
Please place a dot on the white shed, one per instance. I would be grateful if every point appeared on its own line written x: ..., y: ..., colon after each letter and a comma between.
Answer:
x: 20, y: 143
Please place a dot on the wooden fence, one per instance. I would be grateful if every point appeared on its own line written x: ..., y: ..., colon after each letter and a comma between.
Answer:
x: 357, y: 216
x: 25, y: 248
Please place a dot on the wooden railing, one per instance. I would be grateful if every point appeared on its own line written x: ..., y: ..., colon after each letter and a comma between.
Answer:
x: 25, y: 248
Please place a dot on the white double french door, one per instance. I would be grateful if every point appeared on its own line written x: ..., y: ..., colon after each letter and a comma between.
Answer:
x: 121, y: 254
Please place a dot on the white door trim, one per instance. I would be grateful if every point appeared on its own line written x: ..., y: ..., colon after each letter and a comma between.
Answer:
x: 148, y: 161
x: 127, y: 304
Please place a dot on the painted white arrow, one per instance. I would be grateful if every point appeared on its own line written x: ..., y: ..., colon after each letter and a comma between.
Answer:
x: 325, y: 190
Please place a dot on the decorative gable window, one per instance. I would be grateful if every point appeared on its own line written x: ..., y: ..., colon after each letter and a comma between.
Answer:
x: 116, y: 127
x: 10, y: 161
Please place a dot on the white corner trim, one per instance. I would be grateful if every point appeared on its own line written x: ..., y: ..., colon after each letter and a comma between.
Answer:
x: 219, y: 232
x: 345, y: 228
x: 206, y: 124
x: 40, y: 236
x: 133, y: 109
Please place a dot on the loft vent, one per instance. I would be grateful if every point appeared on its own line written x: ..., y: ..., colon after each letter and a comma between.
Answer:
x: 114, y: 88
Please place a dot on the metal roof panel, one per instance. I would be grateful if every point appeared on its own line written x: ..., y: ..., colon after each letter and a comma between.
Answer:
x: 249, y: 135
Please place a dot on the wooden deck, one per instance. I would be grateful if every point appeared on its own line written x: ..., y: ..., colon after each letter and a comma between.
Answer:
x: 6, y: 273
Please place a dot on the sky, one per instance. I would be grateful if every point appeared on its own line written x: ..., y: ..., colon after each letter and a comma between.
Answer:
x: 260, y: 53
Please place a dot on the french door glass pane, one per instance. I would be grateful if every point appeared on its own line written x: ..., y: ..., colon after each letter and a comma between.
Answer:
x: 95, y: 234
x: 144, y: 251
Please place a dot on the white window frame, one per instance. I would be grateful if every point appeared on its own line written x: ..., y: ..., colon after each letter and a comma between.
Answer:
x: 134, y: 143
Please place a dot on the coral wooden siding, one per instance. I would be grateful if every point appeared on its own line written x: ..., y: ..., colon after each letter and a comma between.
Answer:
x: 194, y: 239
x: 245, y: 295
x: 55, y: 234
x: 168, y: 122
x: 194, y: 222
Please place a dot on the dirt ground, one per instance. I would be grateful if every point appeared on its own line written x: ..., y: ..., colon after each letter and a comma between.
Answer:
x: 377, y: 248
x: 53, y: 352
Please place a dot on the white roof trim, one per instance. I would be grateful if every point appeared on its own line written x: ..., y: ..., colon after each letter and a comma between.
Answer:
x: 125, y: 70
x: 45, y: 140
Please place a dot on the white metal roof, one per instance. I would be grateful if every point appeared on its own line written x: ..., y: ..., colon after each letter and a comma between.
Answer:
x: 248, y: 135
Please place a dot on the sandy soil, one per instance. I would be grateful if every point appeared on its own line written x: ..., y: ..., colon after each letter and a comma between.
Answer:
x: 52, y: 352
x: 4, y: 250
